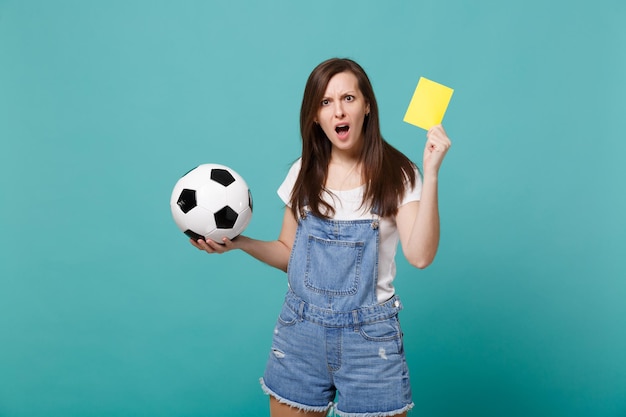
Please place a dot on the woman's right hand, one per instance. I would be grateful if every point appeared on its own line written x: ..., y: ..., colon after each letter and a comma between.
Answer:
x: 275, y: 253
x: 211, y: 246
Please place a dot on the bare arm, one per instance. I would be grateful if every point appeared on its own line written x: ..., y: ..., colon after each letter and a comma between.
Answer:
x: 418, y: 222
x: 275, y: 253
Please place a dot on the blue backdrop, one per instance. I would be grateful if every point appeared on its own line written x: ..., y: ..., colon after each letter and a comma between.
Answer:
x: 106, y: 310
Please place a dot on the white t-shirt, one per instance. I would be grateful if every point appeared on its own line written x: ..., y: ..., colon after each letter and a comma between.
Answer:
x: 347, y: 206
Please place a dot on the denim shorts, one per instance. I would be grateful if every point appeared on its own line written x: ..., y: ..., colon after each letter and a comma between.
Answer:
x: 361, y: 366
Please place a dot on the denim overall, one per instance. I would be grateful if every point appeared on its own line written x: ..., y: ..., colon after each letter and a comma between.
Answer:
x: 333, y: 337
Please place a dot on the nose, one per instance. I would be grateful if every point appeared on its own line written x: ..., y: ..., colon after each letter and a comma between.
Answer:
x: 339, y: 113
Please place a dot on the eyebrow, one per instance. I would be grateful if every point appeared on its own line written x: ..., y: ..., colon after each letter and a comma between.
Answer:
x: 347, y: 93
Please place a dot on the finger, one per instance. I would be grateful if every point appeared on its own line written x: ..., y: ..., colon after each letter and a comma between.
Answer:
x: 437, y: 132
x: 208, y: 245
x: 437, y: 129
x: 215, y: 247
x: 437, y: 145
x: 196, y: 243
x: 433, y: 131
x: 439, y: 141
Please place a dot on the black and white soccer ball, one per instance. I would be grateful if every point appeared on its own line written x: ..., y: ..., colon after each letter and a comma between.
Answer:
x: 211, y: 201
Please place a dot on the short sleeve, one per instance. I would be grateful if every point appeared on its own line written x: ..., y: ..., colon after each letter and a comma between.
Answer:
x: 285, y: 189
x: 413, y: 193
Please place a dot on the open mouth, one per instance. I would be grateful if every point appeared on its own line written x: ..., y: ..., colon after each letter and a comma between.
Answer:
x: 342, y: 130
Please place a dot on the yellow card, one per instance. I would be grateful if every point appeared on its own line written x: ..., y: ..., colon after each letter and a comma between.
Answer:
x: 428, y: 105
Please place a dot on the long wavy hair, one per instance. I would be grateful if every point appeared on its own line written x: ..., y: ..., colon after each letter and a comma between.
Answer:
x: 386, y: 171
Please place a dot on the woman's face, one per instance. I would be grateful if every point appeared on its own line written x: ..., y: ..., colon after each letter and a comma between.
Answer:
x: 342, y: 112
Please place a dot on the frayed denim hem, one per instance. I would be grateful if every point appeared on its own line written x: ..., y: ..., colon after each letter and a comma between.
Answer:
x: 294, y: 404
x: 380, y: 414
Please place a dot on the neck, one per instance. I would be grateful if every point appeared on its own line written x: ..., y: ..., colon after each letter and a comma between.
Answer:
x: 344, y: 158
x: 344, y: 173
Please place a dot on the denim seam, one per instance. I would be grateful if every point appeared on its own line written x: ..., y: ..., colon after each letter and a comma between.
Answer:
x: 294, y: 404
x: 375, y: 414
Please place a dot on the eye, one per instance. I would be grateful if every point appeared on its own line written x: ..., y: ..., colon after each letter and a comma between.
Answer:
x: 325, y: 102
x: 350, y: 98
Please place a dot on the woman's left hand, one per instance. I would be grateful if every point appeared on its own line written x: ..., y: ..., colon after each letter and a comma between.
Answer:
x: 437, y: 145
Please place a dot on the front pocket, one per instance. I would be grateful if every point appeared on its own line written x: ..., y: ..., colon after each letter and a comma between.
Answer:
x: 382, y: 331
x: 287, y: 316
x: 333, y: 267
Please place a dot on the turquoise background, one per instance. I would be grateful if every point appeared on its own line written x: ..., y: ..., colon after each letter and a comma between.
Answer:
x: 106, y: 310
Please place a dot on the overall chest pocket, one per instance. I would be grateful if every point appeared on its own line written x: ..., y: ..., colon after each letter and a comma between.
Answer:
x: 333, y: 267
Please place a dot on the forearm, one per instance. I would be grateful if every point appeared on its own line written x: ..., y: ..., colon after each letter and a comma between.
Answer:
x: 274, y: 253
x: 424, y: 238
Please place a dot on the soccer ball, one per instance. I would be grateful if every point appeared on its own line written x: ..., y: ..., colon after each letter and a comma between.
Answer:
x: 211, y: 202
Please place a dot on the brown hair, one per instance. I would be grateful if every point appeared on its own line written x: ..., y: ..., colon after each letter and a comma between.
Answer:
x: 386, y: 170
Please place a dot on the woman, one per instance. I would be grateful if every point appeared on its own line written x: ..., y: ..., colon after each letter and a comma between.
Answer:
x: 350, y: 198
